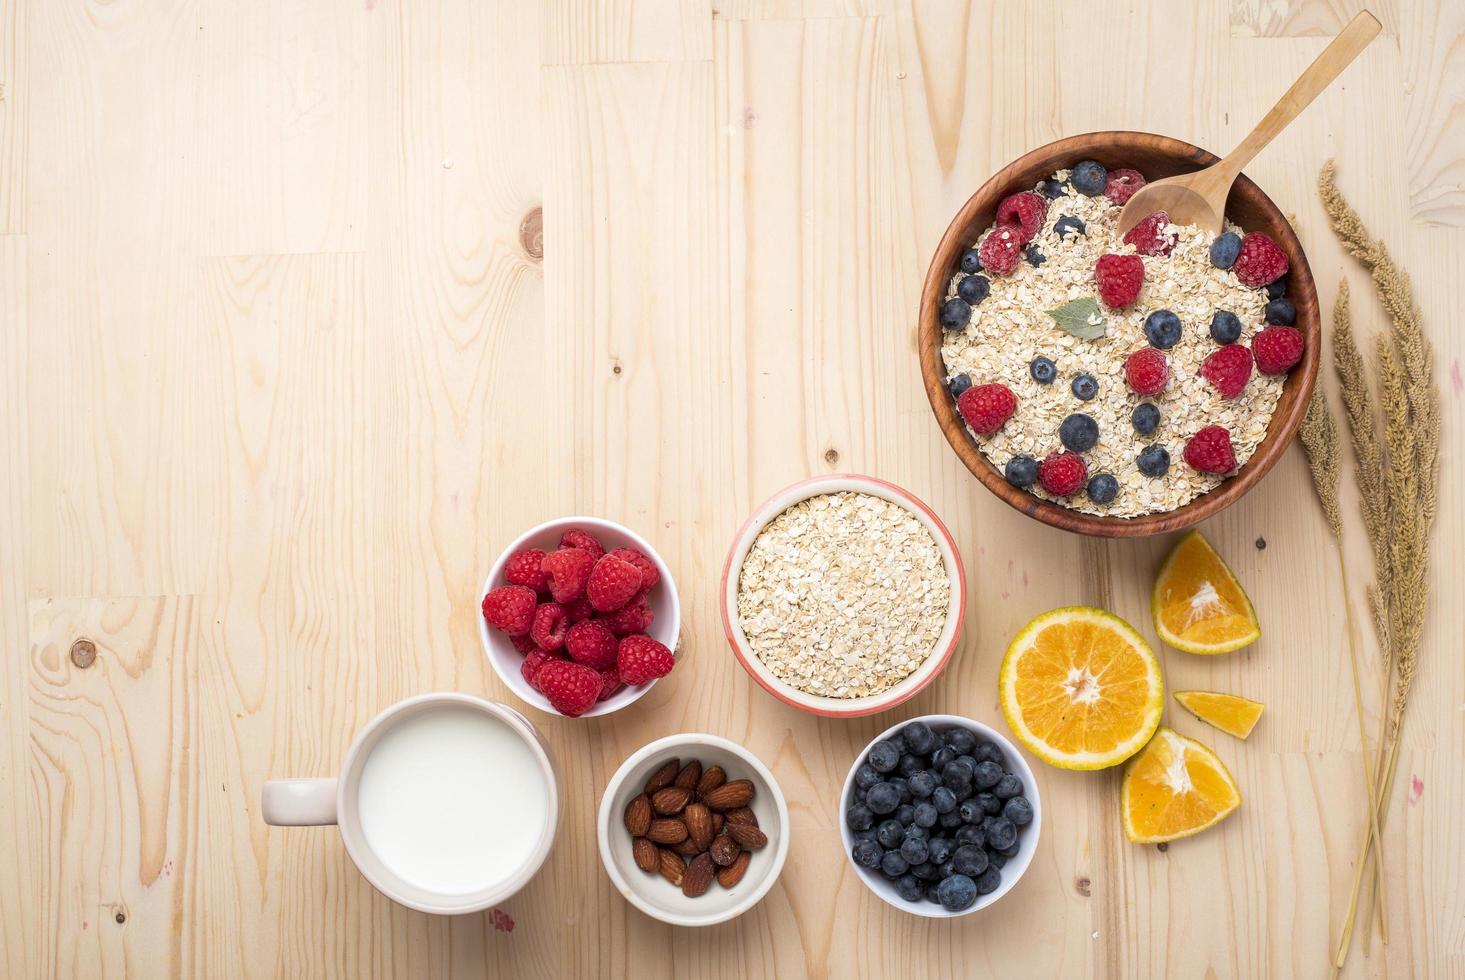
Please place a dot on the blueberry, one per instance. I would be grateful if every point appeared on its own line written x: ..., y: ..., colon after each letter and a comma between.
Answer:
x: 958, y: 384
x: 926, y: 871
x: 947, y: 870
x: 1084, y: 387
x: 1154, y: 461
x: 1225, y: 249
x: 988, y: 774
x: 1145, y: 418
x: 990, y: 804
x: 1021, y: 470
x: 908, y: 887
x: 1162, y: 328
x: 1035, y: 258
x: 1277, y: 288
x: 931, y: 889
x: 971, y: 833
x: 988, y: 752
x: 898, y: 741
x: 905, y: 815
x: 988, y: 881
x: 1281, y: 313
x: 1103, y: 488
x: 944, y: 799
x: 884, y: 756
x: 970, y: 762
x: 893, y: 864
x: 971, y: 810
x: 915, y: 850
x: 1069, y: 225
x: 995, y: 859
x: 901, y: 787
x: 956, y: 893
x: 1019, y: 810
x: 1089, y: 178
x: 866, y: 776
x: 974, y: 289
x: 1007, y: 787
x: 1043, y: 370
x: 890, y: 833
x: 1225, y: 327
x: 1078, y: 432
x: 917, y: 832
x: 859, y: 817
x: 919, y: 738
x: 1008, y: 852
x: 955, y: 313
x: 909, y: 764
x: 882, y: 798
x: 969, y: 860
x: 926, y: 815
x: 939, y: 849
x: 950, y: 821
x: 971, y: 262
x: 922, y: 783
x: 1002, y: 834
x: 1051, y: 189
x: 959, y: 740
x: 867, y: 854
x: 942, y: 756
x: 956, y: 774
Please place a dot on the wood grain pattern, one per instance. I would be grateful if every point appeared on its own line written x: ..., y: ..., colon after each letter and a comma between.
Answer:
x: 284, y: 365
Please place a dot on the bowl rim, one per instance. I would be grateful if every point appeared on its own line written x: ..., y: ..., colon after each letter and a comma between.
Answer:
x: 1281, y: 428
x: 1030, y: 837
x: 514, y: 680
x: 606, y: 816
x: 946, y: 645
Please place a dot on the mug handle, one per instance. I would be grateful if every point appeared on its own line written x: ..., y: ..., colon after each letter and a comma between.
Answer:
x: 300, y: 802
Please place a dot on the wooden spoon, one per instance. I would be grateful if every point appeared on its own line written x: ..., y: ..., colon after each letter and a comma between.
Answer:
x: 1200, y: 198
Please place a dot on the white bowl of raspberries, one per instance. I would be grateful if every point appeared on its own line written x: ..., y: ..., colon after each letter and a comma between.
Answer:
x: 580, y: 617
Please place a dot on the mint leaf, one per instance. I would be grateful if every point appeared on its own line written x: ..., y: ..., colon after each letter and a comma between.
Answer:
x: 1081, y: 317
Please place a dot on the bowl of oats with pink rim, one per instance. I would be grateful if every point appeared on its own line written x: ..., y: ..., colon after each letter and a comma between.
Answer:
x: 843, y: 595
x: 1116, y: 385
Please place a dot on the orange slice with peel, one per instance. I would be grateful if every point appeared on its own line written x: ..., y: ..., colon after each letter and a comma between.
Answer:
x: 1081, y: 689
x: 1198, y: 605
x: 1175, y: 788
x: 1230, y: 713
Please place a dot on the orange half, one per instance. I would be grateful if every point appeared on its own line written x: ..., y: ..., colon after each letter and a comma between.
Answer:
x: 1198, y: 605
x: 1174, y: 788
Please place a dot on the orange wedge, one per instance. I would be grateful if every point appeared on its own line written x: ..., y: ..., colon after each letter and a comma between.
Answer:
x: 1174, y: 788
x: 1198, y: 605
x: 1231, y: 714
x: 1081, y: 689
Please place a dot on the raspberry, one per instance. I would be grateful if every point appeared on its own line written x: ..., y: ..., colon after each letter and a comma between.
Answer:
x: 1062, y: 474
x: 1122, y: 184
x: 613, y: 583
x: 533, y: 662
x: 1023, y: 213
x: 986, y: 407
x: 522, y: 568
x: 1260, y: 262
x: 610, y: 683
x: 649, y: 575
x: 1119, y: 278
x: 524, y: 644
x: 592, y: 644
x: 1147, y: 371
x: 634, y: 617
x: 642, y: 659
x: 1000, y: 251
x: 580, y: 538
x: 510, y: 609
x: 571, y: 688
x: 1277, y: 349
x: 1150, y: 236
x: 569, y: 571
x: 550, y: 626
x: 578, y: 611
x: 1209, y: 450
x: 1228, y: 368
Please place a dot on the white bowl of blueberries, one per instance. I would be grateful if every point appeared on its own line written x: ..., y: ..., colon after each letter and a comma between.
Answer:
x: 940, y: 816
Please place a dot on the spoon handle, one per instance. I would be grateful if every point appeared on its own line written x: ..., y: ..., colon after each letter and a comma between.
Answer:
x: 1362, y: 29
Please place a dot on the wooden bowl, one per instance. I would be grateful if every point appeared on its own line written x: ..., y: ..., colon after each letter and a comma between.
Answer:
x: 1155, y: 157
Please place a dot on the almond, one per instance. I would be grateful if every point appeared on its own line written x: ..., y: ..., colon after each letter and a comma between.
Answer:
x: 661, y: 778
x: 698, y: 876
x: 699, y: 825
x: 717, y: 821
x: 671, y: 866
x: 667, y: 831
x: 724, y: 850
x: 670, y: 800
x: 733, y: 873
x: 690, y: 774
x: 729, y: 796
x: 645, y: 854
x: 742, y: 815
x: 749, y: 838
x: 711, y: 779
x: 638, y: 816
x: 688, y: 848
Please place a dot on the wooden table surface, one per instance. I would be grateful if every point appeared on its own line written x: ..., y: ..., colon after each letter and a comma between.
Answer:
x: 307, y: 307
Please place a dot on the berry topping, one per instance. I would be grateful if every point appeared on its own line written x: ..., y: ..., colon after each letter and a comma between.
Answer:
x: 1119, y: 278
x: 568, y: 570
x: 1277, y: 349
x: 522, y: 568
x: 578, y: 611
x: 592, y: 644
x: 1225, y: 249
x: 1152, y: 235
x: 1209, y: 450
x: 1122, y: 184
x: 533, y: 661
x: 1103, y: 489
x: 955, y: 313
x: 971, y: 262
x: 1043, y: 370
x: 580, y: 538
x: 1001, y: 251
x: 634, y: 617
x: 1162, y: 329
x: 1069, y: 225
x: 613, y: 583
x: 1061, y: 474
x: 571, y: 688
x: 1259, y: 261
x: 1084, y: 387
x: 1051, y: 189
x: 1078, y: 432
x: 1228, y: 369
x: 610, y: 683
x: 958, y: 384
x: 974, y: 289
x: 1035, y: 258
x: 510, y: 609
x: 524, y: 644
x: 642, y: 659
x: 1025, y: 212
x: 550, y: 626
x: 1147, y: 371
x: 649, y: 574
x: 1145, y: 418
x: 1225, y: 327
x: 987, y: 407
x: 1281, y: 313
x: 1089, y: 177
x: 1153, y: 461
x: 1277, y: 288
x: 1021, y: 470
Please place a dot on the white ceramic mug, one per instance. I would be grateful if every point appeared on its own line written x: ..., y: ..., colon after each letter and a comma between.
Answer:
x: 425, y: 733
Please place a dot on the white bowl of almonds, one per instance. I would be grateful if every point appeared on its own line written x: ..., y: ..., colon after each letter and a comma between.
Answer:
x: 843, y: 595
